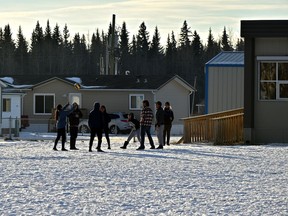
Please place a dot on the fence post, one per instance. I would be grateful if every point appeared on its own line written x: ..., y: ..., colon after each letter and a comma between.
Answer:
x: 16, y: 127
x: 10, y: 128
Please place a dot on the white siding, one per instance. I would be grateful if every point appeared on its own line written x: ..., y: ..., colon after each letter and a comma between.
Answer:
x: 15, y: 110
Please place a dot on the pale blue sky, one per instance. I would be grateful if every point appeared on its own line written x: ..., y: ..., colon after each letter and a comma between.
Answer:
x: 86, y: 16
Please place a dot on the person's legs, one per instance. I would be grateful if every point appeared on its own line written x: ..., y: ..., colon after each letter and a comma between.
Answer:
x: 159, y: 132
x: 63, y: 134
x: 73, y: 136
x: 168, y: 134
x: 164, y: 134
x: 131, y: 135
x: 138, y: 135
x: 92, y: 136
x: 106, y: 132
x: 99, y: 136
x: 57, y: 139
x: 148, y: 132
x: 142, y: 132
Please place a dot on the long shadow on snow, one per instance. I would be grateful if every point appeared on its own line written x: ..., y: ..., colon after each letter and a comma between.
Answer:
x: 150, y: 154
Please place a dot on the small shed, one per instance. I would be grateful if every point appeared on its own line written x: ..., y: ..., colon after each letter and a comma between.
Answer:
x: 224, y: 82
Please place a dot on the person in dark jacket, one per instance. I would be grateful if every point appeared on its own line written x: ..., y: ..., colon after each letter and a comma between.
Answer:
x: 106, y: 120
x: 145, y: 125
x: 168, y: 119
x: 74, y: 119
x: 95, y: 123
x: 135, y: 129
x: 159, y: 125
x: 61, y: 115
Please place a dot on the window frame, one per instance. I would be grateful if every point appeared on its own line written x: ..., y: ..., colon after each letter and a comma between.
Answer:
x: 141, y: 96
x: 3, y: 110
x: 34, y: 102
x: 277, y: 81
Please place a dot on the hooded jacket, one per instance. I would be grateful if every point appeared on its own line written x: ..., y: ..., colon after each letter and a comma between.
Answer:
x: 95, y: 117
x: 62, y: 115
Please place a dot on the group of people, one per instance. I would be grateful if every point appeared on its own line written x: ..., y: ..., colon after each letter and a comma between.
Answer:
x: 99, y: 119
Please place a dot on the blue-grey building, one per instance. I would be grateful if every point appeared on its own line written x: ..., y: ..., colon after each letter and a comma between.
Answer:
x: 224, y: 82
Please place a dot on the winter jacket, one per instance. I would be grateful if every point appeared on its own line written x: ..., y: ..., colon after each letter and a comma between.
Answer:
x: 62, y: 115
x: 95, y: 117
x: 168, y: 116
x: 146, y: 117
x: 74, y: 117
x: 106, y: 120
x: 159, y: 117
x: 134, y: 123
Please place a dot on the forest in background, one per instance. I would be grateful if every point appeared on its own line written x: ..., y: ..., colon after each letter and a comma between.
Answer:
x: 52, y: 51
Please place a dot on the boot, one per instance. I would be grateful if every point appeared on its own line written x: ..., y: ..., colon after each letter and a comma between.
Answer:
x: 63, y: 147
x: 125, y: 145
x: 99, y: 150
x: 142, y: 147
x: 109, y: 146
x: 160, y: 147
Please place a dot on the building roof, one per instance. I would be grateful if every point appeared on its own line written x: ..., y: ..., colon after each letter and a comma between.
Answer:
x: 264, y: 28
x: 120, y: 82
x: 227, y: 58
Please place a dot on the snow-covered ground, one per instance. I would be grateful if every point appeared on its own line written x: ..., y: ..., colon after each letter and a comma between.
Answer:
x: 185, y: 179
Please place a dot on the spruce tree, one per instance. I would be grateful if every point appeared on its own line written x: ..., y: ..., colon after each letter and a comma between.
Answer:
x: 57, y: 47
x: 240, y: 45
x: 36, y: 50
x: 225, y: 41
x: 21, y: 53
x: 142, y: 48
x: 124, y: 50
x: 96, y: 55
x: 48, y: 50
x: 156, y: 54
x: 66, y: 64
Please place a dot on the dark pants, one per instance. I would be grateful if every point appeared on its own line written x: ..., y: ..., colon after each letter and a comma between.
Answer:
x: 93, y: 132
x: 143, y: 130
x: 166, y: 131
x: 73, y: 137
x: 61, y: 132
x: 106, y: 132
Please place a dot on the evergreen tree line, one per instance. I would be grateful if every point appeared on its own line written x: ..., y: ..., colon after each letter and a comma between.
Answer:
x: 52, y: 52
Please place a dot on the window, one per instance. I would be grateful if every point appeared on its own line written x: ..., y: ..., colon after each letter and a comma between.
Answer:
x: 273, y: 76
x: 75, y: 97
x: 43, y: 103
x: 135, y: 101
x: 6, y: 105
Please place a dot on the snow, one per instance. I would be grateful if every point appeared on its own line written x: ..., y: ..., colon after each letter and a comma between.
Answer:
x: 75, y: 79
x: 7, y: 79
x: 182, y: 179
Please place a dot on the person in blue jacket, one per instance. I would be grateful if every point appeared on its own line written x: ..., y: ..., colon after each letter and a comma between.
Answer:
x: 61, y: 116
x: 96, y: 125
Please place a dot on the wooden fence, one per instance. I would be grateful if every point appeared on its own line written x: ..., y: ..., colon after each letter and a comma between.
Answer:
x: 219, y: 128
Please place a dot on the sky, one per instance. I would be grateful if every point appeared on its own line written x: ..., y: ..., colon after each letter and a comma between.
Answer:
x: 86, y: 16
